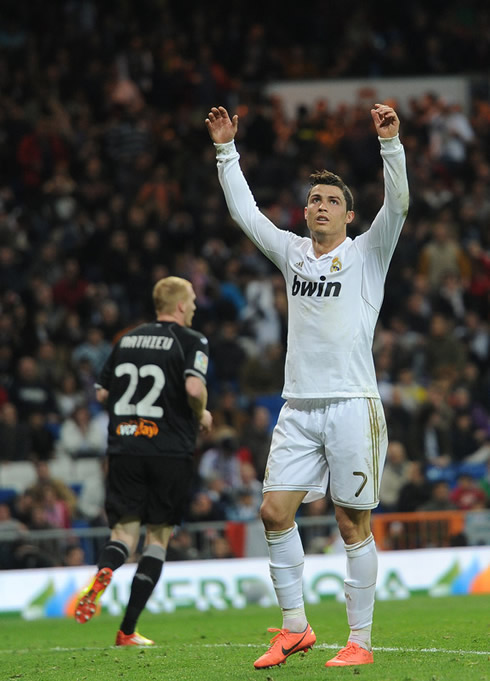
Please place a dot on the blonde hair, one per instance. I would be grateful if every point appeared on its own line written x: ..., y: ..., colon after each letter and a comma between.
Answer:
x: 168, y: 292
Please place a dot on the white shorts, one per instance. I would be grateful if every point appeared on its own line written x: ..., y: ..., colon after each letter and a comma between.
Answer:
x: 344, y: 440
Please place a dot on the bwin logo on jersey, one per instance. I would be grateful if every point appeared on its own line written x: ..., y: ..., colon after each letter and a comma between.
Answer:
x: 316, y: 288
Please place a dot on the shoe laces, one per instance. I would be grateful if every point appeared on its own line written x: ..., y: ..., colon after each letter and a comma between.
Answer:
x: 281, y: 632
x: 344, y: 653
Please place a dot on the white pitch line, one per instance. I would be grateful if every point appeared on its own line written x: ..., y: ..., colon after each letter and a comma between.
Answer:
x: 321, y: 646
x: 336, y: 646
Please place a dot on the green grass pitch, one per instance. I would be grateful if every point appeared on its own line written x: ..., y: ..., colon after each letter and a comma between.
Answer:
x: 419, y: 639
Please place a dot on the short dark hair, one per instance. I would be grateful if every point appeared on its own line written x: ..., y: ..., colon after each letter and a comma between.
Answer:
x: 326, y: 177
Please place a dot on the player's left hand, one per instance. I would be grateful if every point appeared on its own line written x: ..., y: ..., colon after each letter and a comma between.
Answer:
x: 206, y: 422
x: 385, y: 120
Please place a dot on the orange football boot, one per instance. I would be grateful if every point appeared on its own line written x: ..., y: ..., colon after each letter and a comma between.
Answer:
x: 134, y: 639
x: 351, y: 655
x: 284, y: 644
x: 87, y: 604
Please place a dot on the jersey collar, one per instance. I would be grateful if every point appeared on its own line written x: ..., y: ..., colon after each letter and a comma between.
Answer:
x: 310, y: 253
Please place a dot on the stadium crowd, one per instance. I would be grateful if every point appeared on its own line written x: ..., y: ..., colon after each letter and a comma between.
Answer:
x: 108, y: 183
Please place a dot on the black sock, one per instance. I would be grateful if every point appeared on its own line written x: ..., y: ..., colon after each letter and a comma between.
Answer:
x: 144, y: 581
x: 114, y: 554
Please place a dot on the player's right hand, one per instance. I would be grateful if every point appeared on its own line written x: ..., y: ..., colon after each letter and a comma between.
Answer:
x: 221, y: 128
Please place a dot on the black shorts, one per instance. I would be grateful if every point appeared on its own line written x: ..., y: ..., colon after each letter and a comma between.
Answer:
x: 154, y: 489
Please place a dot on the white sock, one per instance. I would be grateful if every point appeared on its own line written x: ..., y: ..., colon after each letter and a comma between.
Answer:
x: 294, y: 619
x: 286, y: 569
x: 360, y: 589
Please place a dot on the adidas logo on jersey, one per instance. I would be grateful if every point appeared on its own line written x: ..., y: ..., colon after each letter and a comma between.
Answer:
x: 316, y: 288
x: 299, y: 265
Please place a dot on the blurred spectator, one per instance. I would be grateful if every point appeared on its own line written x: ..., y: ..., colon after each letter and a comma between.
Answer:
x: 41, y: 437
x: 443, y: 255
x: 70, y: 290
x: 56, y: 510
x: 474, y: 332
x: 45, y: 316
x: 68, y: 393
x: 220, y: 548
x: 263, y: 373
x: 30, y: 394
x: 260, y: 315
x: 479, y: 286
x: 313, y: 535
x: 223, y: 459
x: 51, y: 363
x: 467, y: 495
x: 445, y: 355
x: 395, y: 476
x: 116, y: 261
x: 432, y: 437
x: 81, y: 435
x: 202, y: 508
x: 257, y: 438
x: 10, y: 528
x: 46, y: 269
x: 465, y: 440
x: 110, y: 319
x: 94, y: 349
x: 87, y: 376
x: 39, y: 151
x: 38, y: 552
x: 53, y: 494
x: 244, y: 507
x: 450, y: 135
x: 440, y: 498
x: 91, y: 499
x: 14, y: 436
x: 181, y: 546
x: 247, y: 499
x: 399, y: 419
x: 227, y: 356
x: 74, y: 556
x: 412, y: 393
x: 22, y: 507
x: 227, y: 411
x: 451, y: 299
x: 416, y: 491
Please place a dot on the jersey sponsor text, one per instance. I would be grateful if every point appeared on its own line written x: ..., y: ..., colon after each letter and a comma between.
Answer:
x: 137, y: 428
x: 316, y: 288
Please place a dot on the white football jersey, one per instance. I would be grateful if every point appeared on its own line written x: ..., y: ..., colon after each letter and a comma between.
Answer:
x: 333, y: 301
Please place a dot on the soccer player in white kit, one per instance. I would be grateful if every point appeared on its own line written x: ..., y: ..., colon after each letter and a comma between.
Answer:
x: 332, y: 429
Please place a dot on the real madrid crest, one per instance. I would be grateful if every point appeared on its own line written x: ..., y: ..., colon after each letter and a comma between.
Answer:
x: 336, y: 265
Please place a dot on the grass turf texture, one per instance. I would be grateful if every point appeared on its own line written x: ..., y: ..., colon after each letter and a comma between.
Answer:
x: 420, y: 639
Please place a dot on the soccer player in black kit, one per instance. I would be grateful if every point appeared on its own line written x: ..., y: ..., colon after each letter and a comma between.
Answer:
x: 154, y: 387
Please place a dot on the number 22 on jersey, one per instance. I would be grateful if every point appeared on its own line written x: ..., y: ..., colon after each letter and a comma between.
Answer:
x: 146, y: 406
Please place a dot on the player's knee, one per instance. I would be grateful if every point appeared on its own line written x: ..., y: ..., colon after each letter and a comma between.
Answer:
x: 274, y: 516
x: 354, y: 525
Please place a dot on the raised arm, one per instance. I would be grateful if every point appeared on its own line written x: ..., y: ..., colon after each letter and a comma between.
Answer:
x: 380, y: 240
x: 385, y: 120
x: 396, y: 197
x: 221, y: 128
x: 239, y: 199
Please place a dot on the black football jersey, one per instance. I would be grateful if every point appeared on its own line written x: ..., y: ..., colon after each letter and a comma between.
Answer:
x: 145, y: 376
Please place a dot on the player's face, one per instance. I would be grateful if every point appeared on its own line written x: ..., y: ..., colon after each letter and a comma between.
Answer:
x: 326, y: 213
x: 189, y: 307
